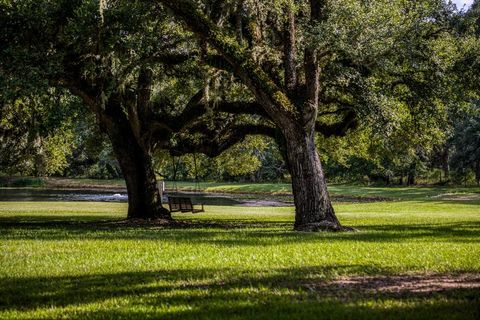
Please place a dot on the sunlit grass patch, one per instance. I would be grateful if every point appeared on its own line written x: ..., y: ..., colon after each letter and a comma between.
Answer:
x: 75, y: 261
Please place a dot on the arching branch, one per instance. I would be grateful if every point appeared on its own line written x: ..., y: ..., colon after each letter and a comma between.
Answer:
x: 213, y: 144
x: 338, y: 129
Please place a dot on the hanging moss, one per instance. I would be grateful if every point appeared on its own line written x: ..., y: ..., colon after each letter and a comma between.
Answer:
x: 229, y: 47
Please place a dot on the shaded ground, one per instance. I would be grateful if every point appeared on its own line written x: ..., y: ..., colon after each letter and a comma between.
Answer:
x: 208, y: 294
x: 395, y: 285
x: 225, y: 294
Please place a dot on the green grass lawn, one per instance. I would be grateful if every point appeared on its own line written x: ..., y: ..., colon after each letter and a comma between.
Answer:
x: 75, y: 261
x: 398, y: 193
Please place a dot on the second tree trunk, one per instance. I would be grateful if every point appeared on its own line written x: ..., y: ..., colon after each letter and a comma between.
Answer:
x: 313, y: 208
x: 144, y: 201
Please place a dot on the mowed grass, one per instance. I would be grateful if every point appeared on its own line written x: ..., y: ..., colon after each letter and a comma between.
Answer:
x: 63, y: 260
x: 394, y: 193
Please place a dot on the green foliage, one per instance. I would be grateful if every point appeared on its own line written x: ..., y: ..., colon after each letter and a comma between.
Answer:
x: 20, y: 182
x: 57, y: 148
x: 410, y: 93
x: 465, y: 142
x: 36, y: 133
x: 238, y: 162
x: 386, y: 60
x: 92, y: 156
x: 380, y: 156
x: 242, y: 158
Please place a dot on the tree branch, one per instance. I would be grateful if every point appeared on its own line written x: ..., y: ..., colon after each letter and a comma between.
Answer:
x: 214, y: 144
x: 340, y: 128
x: 289, y: 50
x: 262, y: 86
x: 312, y: 69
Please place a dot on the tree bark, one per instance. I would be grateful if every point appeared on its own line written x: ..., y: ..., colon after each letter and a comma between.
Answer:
x: 313, y: 208
x: 144, y: 201
x: 290, y: 50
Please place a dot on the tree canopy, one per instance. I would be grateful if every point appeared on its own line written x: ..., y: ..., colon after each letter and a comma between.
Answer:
x: 371, y: 87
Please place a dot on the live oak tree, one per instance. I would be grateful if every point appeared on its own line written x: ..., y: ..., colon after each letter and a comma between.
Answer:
x: 292, y: 106
x: 118, y: 59
x: 310, y: 65
x: 101, y: 56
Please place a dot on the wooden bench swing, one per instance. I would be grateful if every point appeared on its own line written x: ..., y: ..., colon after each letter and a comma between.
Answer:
x: 183, y: 204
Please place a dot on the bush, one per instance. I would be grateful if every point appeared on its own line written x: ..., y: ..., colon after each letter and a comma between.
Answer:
x: 20, y: 182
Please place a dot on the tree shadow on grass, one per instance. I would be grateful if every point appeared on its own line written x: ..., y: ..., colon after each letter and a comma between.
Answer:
x: 227, y: 232
x: 227, y: 293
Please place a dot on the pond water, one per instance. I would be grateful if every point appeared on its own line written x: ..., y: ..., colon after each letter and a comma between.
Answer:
x: 39, y: 194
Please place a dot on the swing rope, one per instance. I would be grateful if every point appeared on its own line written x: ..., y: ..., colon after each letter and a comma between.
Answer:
x: 197, y: 183
x: 175, y: 169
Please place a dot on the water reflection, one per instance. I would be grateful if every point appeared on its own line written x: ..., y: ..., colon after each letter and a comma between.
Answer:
x: 38, y: 194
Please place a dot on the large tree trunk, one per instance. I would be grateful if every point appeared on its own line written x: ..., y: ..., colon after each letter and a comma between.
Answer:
x: 144, y: 200
x: 313, y: 208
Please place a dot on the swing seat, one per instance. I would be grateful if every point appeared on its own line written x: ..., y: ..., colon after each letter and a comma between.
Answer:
x: 182, y: 204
